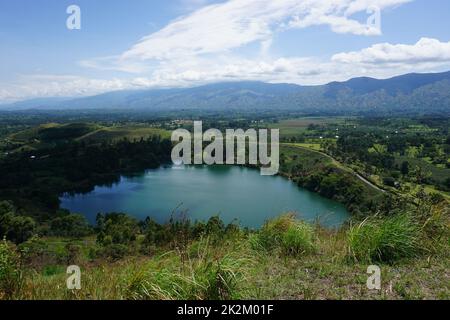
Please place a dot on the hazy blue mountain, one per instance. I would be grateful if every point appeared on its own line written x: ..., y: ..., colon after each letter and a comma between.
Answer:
x: 404, y: 84
x: 34, y: 103
x: 410, y: 93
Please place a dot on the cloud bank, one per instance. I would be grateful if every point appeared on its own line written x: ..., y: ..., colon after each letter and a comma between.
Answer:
x: 205, y: 46
x: 426, y: 50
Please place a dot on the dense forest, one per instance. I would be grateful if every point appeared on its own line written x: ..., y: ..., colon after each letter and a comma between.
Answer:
x: 34, y: 180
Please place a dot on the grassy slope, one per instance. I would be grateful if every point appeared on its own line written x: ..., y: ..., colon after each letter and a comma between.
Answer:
x: 324, y: 274
x: 34, y: 138
x: 121, y: 132
x: 296, y: 127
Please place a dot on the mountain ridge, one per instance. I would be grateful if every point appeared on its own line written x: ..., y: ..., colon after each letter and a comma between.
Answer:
x: 415, y: 92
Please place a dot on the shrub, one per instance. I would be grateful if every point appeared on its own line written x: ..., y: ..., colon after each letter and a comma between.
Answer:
x: 14, y: 227
x: 71, y: 225
x: 385, y: 239
x: 10, y: 271
x: 292, y: 236
x: 389, y: 181
x: 72, y: 253
x: 215, y: 227
x: 116, y: 228
x: 35, y: 252
x: 270, y: 235
x: 298, y: 239
x: 114, y: 251
x: 154, y: 233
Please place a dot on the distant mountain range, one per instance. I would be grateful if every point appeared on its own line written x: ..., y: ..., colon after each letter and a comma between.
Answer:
x: 407, y: 94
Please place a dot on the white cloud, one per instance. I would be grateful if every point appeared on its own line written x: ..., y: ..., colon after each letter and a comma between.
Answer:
x: 202, y: 48
x: 402, y: 58
x: 380, y: 60
x: 42, y: 85
x: 239, y: 22
x: 224, y: 27
x: 425, y: 50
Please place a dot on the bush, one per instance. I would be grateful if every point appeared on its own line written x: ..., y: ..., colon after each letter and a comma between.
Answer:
x: 389, y: 181
x: 298, y: 239
x: 385, y: 239
x: 447, y: 181
x: 71, y: 225
x: 15, y: 227
x: 114, y: 251
x: 72, y: 253
x: 215, y: 228
x: 35, y: 252
x: 270, y: 235
x: 116, y: 228
x: 179, y: 232
x: 292, y: 236
x: 10, y: 271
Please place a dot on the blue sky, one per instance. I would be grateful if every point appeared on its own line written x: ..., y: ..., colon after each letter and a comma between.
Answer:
x: 127, y: 44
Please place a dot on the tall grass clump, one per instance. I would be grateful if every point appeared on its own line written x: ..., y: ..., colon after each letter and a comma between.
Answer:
x: 10, y: 271
x: 208, y: 276
x: 386, y: 239
x: 293, y: 237
x: 433, y: 213
x: 298, y: 239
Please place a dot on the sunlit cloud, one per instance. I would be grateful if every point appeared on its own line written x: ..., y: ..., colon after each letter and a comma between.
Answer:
x: 380, y: 60
x: 425, y: 50
x: 204, y: 47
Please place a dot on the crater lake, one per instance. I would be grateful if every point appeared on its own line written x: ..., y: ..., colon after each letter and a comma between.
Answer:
x: 236, y: 194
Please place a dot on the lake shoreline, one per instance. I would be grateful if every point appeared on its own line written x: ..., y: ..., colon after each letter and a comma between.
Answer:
x: 272, y: 196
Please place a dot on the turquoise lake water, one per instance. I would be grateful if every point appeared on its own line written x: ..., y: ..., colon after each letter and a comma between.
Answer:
x: 233, y: 193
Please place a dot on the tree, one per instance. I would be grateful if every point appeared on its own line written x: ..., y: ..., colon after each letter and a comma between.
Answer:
x: 215, y: 226
x: 447, y: 183
x: 405, y: 168
x: 71, y: 225
x: 421, y: 175
x: 14, y: 227
x: 389, y: 181
x: 116, y: 228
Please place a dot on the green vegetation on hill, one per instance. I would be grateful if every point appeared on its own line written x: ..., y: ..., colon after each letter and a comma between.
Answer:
x: 380, y: 169
x: 319, y: 173
x: 130, y: 132
x: 393, y: 154
x: 285, y: 259
x: 34, y: 180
